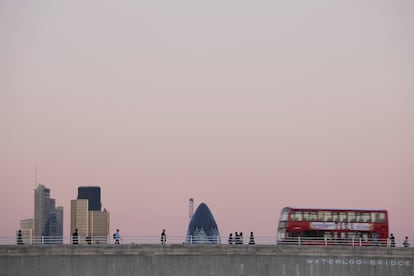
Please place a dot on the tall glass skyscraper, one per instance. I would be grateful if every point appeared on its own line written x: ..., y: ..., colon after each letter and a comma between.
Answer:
x: 48, y: 220
x: 203, y: 228
x: 93, y: 195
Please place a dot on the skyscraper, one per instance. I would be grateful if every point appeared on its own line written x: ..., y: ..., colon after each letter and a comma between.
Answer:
x: 99, y: 226
x: 26, y: 225
x: 88, y: 221
x: 48, y: 220
x: 93, y: 194
x: 203, y: 228
x: 79, y: 217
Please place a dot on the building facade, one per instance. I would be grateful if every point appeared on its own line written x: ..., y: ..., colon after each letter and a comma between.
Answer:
x: 93, y: 194
x: 203, y: 227
x: 99, y: 226
x: 79, y: 217
x: 26, y: 226
x: 90, y: 223
x: 48, y: 220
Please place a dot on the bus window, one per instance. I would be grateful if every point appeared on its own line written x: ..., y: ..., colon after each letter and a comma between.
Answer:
x: 306, y: 216
x: 313, y: 216
x: 351, y: 217
x: 297, y: 215
x: 321, y: 215
x: 366, y: 217
x: 359, y: 217
x: 335, y: 216
x: 284, y: 215
x: 352, y: 235
x: 373, y: 216
x: 377, y: 216
x: 324, y: 216
x: 381, y: 217
x: 342, y: 216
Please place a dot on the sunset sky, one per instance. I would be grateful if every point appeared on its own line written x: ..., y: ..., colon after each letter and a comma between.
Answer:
x: 248, y: 106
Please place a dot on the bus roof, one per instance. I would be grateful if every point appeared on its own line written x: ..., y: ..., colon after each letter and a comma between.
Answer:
x: 335, y: 209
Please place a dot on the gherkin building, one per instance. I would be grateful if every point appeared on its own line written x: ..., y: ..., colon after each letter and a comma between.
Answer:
x: 203, y: 228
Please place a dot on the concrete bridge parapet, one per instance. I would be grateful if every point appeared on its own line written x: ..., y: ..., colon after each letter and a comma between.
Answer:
x: 186, y: 260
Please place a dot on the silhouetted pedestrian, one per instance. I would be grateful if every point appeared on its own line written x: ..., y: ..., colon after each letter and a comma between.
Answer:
x: 241, y: 237
x: 405, y: 243
x: 88, y: 239
x: 163, y: 237
x: 75, y: 237
x: 392, y: 240
x: 19, y: 237
x: 236, y: 238
x: 231, y: 238
x: 251, y: 239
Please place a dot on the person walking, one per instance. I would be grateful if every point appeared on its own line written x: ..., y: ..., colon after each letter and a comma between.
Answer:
x: 241, y: 237
x: 75, y: 237
x: 117, y: 236
x: 19, y: 237
x: 236, y: 238
x: 251, y: 239
x: 163, y: 237
x: 231, y: 238
x: 405, y: 243
x: 392, y: 240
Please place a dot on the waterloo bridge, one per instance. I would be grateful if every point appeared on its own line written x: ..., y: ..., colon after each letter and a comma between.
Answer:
x: 193, y: 259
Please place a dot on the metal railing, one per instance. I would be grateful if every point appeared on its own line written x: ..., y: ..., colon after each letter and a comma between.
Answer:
x: 192, y: 240
x: 325, y: 241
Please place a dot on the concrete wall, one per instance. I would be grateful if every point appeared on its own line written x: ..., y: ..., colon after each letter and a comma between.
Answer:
x: 182, y: 260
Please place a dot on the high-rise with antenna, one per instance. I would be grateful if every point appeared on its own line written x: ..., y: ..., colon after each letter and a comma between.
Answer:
x: 191, y: 208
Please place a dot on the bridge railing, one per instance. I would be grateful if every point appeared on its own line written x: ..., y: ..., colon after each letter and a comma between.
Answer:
x: 189, y: 240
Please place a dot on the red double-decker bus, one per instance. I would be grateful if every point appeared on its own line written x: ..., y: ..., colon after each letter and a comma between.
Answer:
x: 333, y: 226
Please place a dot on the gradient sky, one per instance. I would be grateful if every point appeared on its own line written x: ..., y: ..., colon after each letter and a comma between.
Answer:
x: 248, y: 106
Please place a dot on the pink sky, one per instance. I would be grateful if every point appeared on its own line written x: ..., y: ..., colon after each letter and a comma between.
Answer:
x: 246, y: 106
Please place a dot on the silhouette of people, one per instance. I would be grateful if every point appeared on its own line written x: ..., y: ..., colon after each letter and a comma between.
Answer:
x: 236, y: 238
x: 117, y: 236
x: 75, y: 237
x: 163, y: 237
x: 251, y: 239
x: 88, y: 239
x: 241, y: 238
x: 231, y: 238
x: 19, y: 237
x: 392, y: 240
x: 405, y: 243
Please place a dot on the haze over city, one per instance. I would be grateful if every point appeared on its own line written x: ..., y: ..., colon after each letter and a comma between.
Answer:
x: 246, y: 106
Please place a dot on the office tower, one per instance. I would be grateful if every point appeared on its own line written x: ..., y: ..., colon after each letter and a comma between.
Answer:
x: 93, y: 194
x: 203, y: 228
x: 48, y: 220
x: 26, y: 225
x: 92, y: 223
x: 41, y: 210
x: 79, y: 217
x: 99, y: 226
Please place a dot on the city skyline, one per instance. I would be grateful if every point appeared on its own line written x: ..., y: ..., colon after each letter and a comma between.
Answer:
x: 249, y: 107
